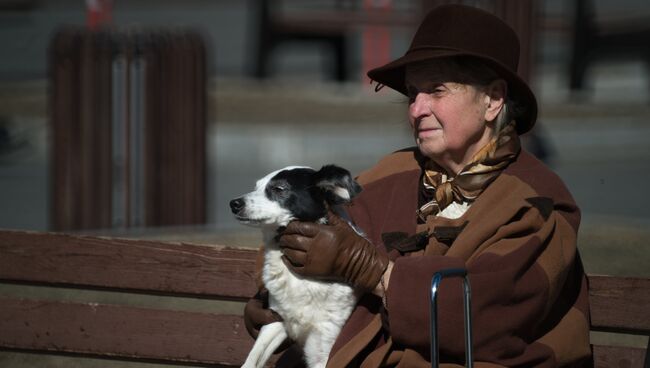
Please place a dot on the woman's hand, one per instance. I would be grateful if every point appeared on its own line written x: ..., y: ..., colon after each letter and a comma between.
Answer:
x: 257, y: 313
x: 333, y: 252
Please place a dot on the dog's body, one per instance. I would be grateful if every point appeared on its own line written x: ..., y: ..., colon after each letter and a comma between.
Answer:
x: 313, y: 312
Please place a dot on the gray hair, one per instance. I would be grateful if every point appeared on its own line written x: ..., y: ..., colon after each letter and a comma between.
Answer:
x: 510, y: 112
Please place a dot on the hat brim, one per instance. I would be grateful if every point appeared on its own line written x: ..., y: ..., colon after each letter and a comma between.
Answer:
x: 392, y: 75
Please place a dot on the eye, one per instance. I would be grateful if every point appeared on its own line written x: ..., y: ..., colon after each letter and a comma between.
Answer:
x: 436, y: 89
x: 278, y: 188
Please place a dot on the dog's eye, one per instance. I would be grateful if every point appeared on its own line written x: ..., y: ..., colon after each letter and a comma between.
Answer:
x: 278, y: 188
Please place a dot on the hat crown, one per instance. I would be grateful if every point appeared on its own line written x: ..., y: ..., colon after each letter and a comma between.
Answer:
x: 468, y: 30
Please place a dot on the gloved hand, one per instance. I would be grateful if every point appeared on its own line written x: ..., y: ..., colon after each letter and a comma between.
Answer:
x: 333, y: 252
x: 257, y: 313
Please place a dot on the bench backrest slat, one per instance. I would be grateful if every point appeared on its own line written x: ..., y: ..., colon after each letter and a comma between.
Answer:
x: 619, y: 304
x: 127, y: 264
x: 618, y: 356
x: 127, y: 332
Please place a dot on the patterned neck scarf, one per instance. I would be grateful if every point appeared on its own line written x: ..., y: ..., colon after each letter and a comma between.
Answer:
x: 440, y: 190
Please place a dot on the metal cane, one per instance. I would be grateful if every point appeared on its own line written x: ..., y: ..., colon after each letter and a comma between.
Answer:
x: 435, y: 282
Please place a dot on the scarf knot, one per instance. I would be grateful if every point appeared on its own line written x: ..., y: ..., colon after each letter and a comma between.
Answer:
x: 439, y: 190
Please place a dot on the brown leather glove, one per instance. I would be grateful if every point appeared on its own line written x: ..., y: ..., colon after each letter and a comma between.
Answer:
x: 257, y: 313
x: 333, y: 252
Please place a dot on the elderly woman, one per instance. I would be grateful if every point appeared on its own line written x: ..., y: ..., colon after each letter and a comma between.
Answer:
x: 466, y: 196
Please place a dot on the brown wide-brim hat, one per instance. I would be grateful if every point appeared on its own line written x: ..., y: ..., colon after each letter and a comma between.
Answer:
x: 459, y: 30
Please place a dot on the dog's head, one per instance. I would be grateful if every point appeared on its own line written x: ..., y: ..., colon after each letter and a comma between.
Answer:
x: 294, y: 193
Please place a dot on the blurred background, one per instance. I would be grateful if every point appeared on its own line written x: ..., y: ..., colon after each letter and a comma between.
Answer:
x: 144, y: 118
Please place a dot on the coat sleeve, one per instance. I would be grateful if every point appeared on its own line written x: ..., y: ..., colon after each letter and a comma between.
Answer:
x: 524, y: 279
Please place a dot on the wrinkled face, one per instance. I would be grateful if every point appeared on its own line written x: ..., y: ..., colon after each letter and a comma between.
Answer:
x: 448, y: 119
x: 280, y: 197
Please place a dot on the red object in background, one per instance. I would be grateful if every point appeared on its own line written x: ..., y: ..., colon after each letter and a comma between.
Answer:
x: 98, y: 13
x: 376, y: 38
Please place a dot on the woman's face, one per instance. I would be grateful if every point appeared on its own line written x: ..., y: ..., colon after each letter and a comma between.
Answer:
x: 449, y: 119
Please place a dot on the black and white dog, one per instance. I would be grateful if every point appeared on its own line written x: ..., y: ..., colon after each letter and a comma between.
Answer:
x: 313, y: 312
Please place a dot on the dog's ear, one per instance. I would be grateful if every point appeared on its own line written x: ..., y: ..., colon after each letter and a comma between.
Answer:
x: 337, y: 184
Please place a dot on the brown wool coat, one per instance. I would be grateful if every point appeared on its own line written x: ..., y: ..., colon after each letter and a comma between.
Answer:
x: 529, y: 294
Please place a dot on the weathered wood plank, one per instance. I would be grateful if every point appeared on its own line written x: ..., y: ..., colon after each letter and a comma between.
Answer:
x: 618, y: 356
x: 619, y: 304
x: 127, y: 264
x: 138, y: 333
x: 118, y: 331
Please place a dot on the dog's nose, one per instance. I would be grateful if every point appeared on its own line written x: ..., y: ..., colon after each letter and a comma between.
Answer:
x: 236, y: 205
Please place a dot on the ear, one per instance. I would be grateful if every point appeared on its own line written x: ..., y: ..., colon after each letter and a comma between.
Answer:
x: 495, y: 96
x: 337, y: 184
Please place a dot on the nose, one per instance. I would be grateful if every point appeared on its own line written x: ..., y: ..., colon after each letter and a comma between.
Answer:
x: 420, y: 106
x: 236, y: 205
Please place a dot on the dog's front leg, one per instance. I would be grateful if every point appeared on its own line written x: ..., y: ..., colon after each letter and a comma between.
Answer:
x: 269, y: 339
x: 317, y: 348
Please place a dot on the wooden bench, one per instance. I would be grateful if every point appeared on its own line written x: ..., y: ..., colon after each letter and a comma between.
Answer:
x: 122, y: 332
